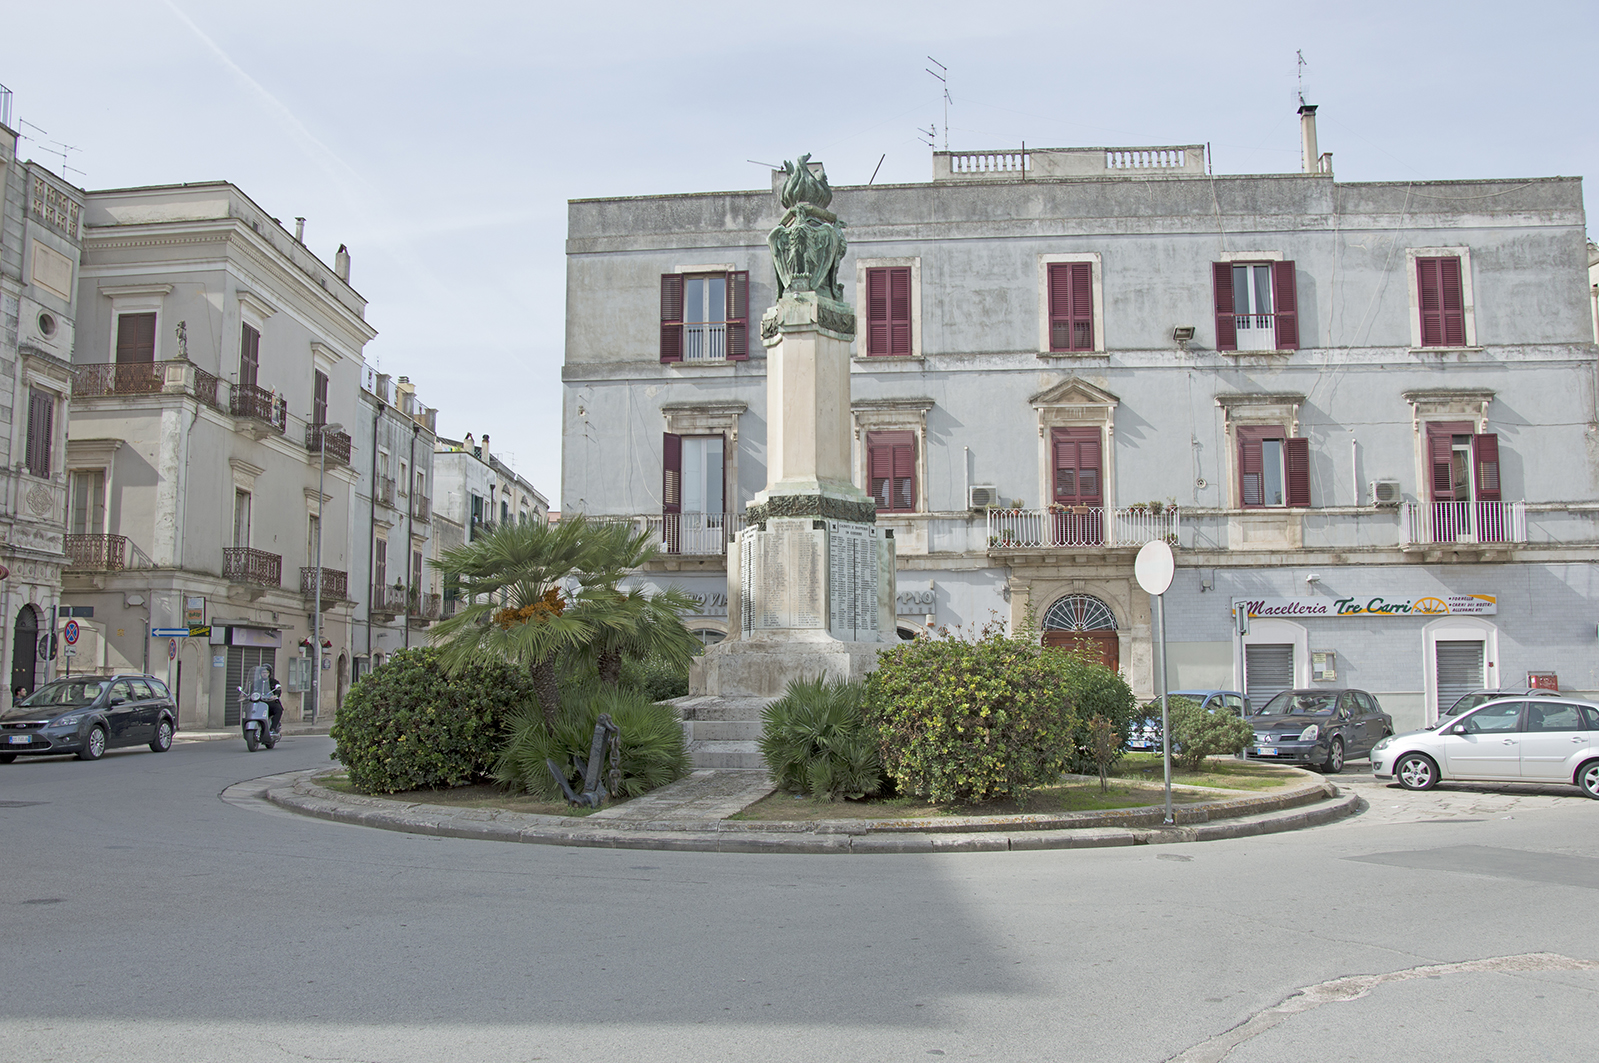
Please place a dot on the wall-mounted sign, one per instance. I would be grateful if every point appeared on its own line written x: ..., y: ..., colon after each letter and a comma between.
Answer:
x: 1372, y: 605
x: 922, y: 601
x: 193, y: 610
x: 1323, y: 666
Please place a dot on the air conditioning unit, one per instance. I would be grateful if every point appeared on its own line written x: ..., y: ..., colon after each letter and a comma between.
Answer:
x: 1386, y: 493
x: 982, y: 496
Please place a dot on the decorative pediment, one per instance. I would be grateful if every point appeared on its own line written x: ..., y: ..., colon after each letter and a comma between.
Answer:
x: 1450, y: 404
x: 703, y: 418
x: 1074, y: 391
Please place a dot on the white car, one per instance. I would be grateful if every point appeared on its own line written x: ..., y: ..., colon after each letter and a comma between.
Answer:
x: 1517, y: 739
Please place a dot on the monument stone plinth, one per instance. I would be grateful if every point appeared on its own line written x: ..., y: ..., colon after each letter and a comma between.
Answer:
x: 811, y: 578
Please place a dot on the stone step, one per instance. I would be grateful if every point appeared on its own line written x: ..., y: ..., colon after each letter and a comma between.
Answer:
x: 711, y: 707
x: 718, y: 754
x: 722, y: 730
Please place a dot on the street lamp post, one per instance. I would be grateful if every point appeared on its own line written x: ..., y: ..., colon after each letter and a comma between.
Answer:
x: 316, y: 617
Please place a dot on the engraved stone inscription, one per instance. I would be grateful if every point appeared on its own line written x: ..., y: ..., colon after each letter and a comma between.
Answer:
x: 852, y: 581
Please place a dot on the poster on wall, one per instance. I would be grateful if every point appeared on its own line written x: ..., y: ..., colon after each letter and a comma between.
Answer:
x: 1371, y: 605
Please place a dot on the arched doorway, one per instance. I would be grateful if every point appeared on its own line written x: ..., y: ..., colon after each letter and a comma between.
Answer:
x: 25, y: 649
x: 1083, y: 622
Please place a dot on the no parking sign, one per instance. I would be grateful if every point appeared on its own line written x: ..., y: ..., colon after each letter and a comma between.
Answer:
x: 70, y: 632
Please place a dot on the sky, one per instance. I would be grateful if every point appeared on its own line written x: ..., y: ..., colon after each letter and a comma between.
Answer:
x: 441, y: 142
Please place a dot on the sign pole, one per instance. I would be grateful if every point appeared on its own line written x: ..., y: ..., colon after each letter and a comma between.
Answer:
x: 1165, y: 714
x: 1154, y: 569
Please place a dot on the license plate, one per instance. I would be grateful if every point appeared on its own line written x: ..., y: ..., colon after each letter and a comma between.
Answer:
x: 19, y: 740
x: 1265, y: 751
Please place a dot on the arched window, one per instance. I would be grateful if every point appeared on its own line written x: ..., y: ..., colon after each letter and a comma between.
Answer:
x: 1082, y: 623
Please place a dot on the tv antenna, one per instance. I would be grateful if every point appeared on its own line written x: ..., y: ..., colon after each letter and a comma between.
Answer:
x: 931, y: 133
x: 1301, y: 64
x: 54, y: 147
x: 943, y: 80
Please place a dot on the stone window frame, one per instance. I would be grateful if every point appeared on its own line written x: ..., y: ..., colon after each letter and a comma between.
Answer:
x: 1075, y: 403
x: 1467, y: 299
x: 1265, y: 409
x: 135, y: 299
x: 1045, y: 260
x: 1435, y: 405
x: 93, y: 455
x: 717, y: 417
x: 891, y: 415
x: 914, y: 262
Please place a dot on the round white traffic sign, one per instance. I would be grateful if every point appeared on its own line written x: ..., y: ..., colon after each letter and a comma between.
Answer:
x: 1155, y: 567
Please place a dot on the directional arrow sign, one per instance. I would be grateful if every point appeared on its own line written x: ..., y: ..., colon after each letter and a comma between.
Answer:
x: 169, y: 632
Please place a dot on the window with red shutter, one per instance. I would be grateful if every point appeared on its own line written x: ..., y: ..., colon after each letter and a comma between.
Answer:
x: 671, y: 473
x: 1071, y: 306
x: 135, y: 338
x: 891, y: 470
x: 671, y: 317
x: 1441, y: 302
x: 319, y: 398
x: 1448, y: 474
x: 1078, y: 459
x: 738, y: 297
x: 1485, y: 455
x: 249, y: 358
x: 888, y: 311
x: 41, y: 430
x: 1222, y: 284
x: 1273, y: 467
x: 1285, y: 298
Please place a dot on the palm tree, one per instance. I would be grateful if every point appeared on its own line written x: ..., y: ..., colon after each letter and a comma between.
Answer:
x: 515, y: 577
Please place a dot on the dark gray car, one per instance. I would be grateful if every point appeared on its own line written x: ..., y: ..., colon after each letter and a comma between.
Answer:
x: 84, y: 715
x: 1319, y: 728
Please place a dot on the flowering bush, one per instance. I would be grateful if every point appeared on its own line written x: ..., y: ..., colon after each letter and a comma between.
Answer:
x: 970, y: 721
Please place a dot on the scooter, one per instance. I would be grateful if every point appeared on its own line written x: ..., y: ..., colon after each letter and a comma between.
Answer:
x: 255, y: 710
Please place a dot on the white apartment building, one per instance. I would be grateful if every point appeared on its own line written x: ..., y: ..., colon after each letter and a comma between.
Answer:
x: 1367, y: 412
x: 214, y: 355
x: 475, y: 489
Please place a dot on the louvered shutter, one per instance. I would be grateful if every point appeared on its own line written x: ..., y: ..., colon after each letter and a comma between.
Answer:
x: 1268, y: 671
x: 899, y: 310
x: 1078, y: 466
x: 135, y: 338
x: 249, y: 358
x: 41, y: 426
x: 319, y: 399
x: 1451, y: 302
x: 738, y: 316
x: 891, y: 470
x: 1071, y: 306
x: 1440, y: 456
x: 1226, y: 328
x: 671, y: 317
x: 877, y: 323
x: 1251, y: 466
x: 1286, y: 295
x: 1296, y: 466
x: 671, y: 473
x: 1485, y: 455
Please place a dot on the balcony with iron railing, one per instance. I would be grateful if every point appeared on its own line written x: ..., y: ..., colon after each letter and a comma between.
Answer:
x: 1079, y: 527
x: 421, y: 509
x: 1428, y: 523
x: 704, y: 341
x: 426, y: 607
x: 385, y: 491
x: 693, y: 534
x: 260, y: 406
x: 243, y: 564
x: 121, y: 379
x: 389, y: 601
x: 335, y: 585
x: 334, y: 446
x: 101, y: 553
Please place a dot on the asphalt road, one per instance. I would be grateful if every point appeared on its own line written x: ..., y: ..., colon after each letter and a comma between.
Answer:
x: 148, y: 919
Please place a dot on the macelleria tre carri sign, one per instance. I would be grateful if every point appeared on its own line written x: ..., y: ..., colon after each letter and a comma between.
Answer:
x: 1374, y: 605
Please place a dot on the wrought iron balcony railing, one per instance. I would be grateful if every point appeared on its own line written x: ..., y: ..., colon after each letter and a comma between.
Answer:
x: 421, y: 509
x: 1463, y: 522
x: 261, y: 405
x: 1070, y: 527
x: 242, y: 564
x: 335, y: 446
x: 335, y: 584
x: 118, y: 378
x: 101, y: 553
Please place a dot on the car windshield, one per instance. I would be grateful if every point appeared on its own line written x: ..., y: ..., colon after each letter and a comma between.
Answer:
x: 1470, y: 701
x: 65, y: 694
x: 1289, y: 703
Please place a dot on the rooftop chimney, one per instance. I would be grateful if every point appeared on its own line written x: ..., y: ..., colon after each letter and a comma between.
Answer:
x: 485, y: 446
x: 299, y: 230
x: 341, y: 261
x: 1309, y: 156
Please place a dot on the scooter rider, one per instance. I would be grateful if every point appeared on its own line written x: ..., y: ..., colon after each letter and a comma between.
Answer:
x: 275, y: 702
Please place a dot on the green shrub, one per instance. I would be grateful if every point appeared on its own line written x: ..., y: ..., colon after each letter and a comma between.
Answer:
x: 653, y: 750
x: 657, y: 678
x: 1095, y: 690
x: 1199, y: 734
x: 970, y: 721
x: 815, y: 741
x: 409, y: 725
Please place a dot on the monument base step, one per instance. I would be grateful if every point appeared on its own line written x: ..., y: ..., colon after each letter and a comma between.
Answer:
x: 713, y: 754
x: 722, y: 732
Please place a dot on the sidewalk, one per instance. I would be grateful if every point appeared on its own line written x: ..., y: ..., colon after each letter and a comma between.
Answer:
x: 692, y: 814
x: 197, y: 734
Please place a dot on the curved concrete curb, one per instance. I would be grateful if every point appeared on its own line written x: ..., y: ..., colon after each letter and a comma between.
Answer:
x: 1309, y: 805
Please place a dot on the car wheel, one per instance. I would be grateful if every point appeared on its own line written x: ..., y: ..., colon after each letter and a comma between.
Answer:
x: 94, y: 745
x: 7, y: 758
x: 163, y: 737
x: 1335, y: 757
x: 1416, y: 771
x: 1588, y: 778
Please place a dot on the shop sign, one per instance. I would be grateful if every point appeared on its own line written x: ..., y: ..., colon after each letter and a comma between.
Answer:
x: 1372, y: 605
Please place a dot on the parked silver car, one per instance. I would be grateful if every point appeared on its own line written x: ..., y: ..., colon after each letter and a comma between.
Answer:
x: 1519, y: 739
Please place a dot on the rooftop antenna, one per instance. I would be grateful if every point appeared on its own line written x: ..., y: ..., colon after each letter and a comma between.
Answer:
x: 931, y: 133
x: 944, y: 81
x: 54, y: 147
x: 1300, y: 55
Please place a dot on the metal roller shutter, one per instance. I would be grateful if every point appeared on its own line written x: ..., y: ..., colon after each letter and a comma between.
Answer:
x: 1459, y: 667
x: 241, y: 659
x: 1268, y: 671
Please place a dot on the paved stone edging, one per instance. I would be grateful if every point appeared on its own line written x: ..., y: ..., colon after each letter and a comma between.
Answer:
x: 1314, y: 803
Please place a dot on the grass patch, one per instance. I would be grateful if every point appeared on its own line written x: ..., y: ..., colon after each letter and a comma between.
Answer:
x: 1062, y: 797
x: 476, y: 795
x: 1222, y: 772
